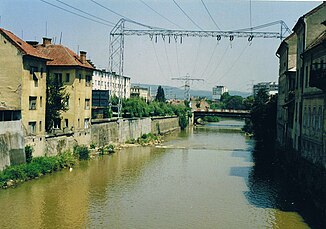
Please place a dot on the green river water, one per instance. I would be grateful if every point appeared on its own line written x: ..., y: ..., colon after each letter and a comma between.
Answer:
x: 202, y: 178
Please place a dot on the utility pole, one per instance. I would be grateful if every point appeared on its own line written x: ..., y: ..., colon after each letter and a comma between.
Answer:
x: 187, y: 81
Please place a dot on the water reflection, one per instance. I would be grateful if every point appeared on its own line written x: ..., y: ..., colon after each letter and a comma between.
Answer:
x: 203, y: 178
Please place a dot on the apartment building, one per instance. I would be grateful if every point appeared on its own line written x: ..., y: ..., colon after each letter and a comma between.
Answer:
x: 218, y: 91
x: 75, y: 73
x: 270, y: 87
x: 140, y: 92
x: 308, y: 133
x: 111, y: 82
x: 22, y: 84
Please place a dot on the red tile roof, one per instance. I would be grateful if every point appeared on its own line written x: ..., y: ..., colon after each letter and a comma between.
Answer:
x: 25, y: 48
x: 62, y: 56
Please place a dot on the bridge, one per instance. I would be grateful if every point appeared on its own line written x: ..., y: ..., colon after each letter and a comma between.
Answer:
x: 230, y: 113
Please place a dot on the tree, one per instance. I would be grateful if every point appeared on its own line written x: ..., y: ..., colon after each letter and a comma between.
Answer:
x: 160, y: 97
x: 56, y: 101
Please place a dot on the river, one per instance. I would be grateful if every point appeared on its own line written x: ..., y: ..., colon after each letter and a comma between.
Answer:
x: 203, y: 178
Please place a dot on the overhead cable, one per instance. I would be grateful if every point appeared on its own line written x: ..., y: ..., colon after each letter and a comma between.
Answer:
x: 124, y: 17
x: 85, y: 12
x: 79, y: 15
x: 210, y: 15
x: 160, y: 14
x: 187, y: 15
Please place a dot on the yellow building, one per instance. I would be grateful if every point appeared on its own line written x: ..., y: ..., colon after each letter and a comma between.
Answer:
x: 75, y: 73
x: 22, y: 84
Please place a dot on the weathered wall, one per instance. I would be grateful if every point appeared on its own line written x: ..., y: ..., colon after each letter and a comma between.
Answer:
x: 161, y: 125
x: 104, y: 133
x: 11, y: 144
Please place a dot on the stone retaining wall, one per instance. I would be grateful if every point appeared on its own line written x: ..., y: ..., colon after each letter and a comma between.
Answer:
x: 11, y: 143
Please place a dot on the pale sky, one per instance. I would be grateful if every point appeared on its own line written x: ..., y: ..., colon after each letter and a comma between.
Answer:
x: 234, y: 64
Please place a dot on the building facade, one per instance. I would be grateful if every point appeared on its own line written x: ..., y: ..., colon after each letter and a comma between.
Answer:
x: 270, y: 87
x: 117, y: 86
x: 75, y: 73
x: 308, y: 99
x: 22, y: 83
x: 140, y: 92
x: 218, y: 91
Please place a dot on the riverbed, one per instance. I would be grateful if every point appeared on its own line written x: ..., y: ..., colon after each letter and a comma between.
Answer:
x: 205, y: 177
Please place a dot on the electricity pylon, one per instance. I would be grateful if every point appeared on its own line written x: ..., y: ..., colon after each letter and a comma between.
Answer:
x: 187, y: 81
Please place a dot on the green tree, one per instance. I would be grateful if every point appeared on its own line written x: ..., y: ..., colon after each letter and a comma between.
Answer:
x: 56, y: 101
x: 160, y: 96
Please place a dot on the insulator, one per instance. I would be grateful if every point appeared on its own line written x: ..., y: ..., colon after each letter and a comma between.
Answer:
x: 250, y: 38
x: 231, y: 37
x: 156, y: 39
x: 180, y: 40
x: 163, y: 37
x: 151, y: 36
x: 169, y: 39
x: 218, y: 37
x: 175, y: 38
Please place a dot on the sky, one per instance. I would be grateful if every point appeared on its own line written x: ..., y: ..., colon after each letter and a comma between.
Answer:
x: 235, y: 64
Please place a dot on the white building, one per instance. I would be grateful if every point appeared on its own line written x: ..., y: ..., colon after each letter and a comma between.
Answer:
x: 141, y: 92
x: 103, y: 80
x: 218, y: 91
x: 270, y: 87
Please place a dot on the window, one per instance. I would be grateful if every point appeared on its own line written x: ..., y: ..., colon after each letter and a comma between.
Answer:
x: 40, y: 126
x: 35, y: 79
x: 78, y: 101
x: 314, y: 121
x: 32, y: 102
x: 67, y: 77
x: 32, y: 127
x: 86, y: 123
x: 66, y: 123
x: 87, y: 104
x: 88, y: 81
x: 78, y: 123
x: 309, y: 117
x: 57, y: 123
x: 66, y: 102
x: 306, y: 76
x: 41, y: 101
x: 305, y: 117
x: 79, y: 77
x: 42, y: 72
x: 320, y: 116
x: 58, y: 78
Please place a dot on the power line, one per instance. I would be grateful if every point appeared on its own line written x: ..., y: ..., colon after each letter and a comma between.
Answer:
x: 187, y: 15
x: 85, y: 12
x: 197, y: 55
x: 210, y: 14
x: 79, y: 15
x: 167, y: 57
x: 160, y: 14
x: 219, y: 62
x: 158, y: 62
x: 210, y: 60
x: 124, y: 17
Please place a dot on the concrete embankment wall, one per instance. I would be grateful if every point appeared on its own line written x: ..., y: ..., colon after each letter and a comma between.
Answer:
x: 101, y: 134
x: 123, y: 130
x: 11, y: 143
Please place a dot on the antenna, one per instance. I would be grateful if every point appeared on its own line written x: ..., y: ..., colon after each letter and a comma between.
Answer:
x: 46, y: 29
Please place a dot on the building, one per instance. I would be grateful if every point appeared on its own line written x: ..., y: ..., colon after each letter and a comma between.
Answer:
x: 22, y: 83
x: 75, y: 73
x: 140, y: 92
x: 218, y: 91
x: 270, y: 87
x: 117, y: 86
x: 286, y: 97
x: 308, y: 136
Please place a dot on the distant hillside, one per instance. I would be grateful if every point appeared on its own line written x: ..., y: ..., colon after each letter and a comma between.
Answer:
x: 178, y: 93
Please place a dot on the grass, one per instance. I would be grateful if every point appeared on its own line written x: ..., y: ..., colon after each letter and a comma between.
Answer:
x: 37, y: 167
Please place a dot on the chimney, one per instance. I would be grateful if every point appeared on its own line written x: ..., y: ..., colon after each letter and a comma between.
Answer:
x: 46, y: 41
x: 82, y: 57
x: 32, y: 43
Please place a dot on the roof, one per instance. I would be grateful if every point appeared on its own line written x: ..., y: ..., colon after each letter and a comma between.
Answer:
x: 23, y: 46
x: 62, y: 56
x: 314, y: 10
x: 319, y: 40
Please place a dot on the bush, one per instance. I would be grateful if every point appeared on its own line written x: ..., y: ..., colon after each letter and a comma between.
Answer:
x: 81, y: 152
x: 28, y: 153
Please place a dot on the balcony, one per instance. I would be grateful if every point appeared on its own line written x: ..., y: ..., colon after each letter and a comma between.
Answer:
x: 318, y: 76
